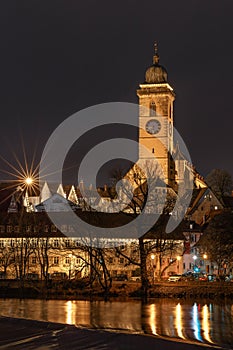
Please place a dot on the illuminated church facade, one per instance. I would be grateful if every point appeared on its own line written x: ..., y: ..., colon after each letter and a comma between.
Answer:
x: 156, y: 128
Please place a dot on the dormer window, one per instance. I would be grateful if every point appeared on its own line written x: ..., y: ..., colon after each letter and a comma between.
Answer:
x: 53, y: 228
x: 9, y: 229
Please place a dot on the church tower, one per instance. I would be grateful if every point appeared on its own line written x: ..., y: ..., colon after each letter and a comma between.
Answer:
x: 156, y: 98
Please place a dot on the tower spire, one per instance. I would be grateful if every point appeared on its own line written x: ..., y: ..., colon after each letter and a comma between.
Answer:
x: 156, y: 55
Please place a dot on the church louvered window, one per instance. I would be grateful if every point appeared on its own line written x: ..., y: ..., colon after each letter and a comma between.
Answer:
x: 152, y: 109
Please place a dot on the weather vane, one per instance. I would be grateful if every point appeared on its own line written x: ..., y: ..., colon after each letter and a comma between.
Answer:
x: 156, y: 47
x: 156, y: 56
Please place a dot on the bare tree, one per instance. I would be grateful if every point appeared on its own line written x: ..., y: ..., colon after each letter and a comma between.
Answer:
x: 42, y: 255
x: 141, y: 183
x: 21, y: 253
x: 6, y: 258
x: 96, y: 259
x: 158, y: 242
x: 142, y: 187
x: 220, y: 181
x: 165, y: 246
x: 217, y: 240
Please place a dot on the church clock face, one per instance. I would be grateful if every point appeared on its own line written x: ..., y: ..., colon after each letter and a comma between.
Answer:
x: 153, y: 126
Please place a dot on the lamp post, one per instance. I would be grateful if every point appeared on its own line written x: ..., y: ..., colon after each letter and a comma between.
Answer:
x: 152, y: 260
x: 178, y: 258
x: 24, y: 223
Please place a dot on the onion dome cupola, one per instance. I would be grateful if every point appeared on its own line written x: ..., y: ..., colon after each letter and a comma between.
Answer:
x: 156, y: 74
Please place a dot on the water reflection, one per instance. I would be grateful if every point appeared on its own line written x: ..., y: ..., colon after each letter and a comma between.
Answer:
x: 70, y: 314
x: 206, y: 323
x: 179, y: 321
x: 152, y: 319
x: 196, y: 323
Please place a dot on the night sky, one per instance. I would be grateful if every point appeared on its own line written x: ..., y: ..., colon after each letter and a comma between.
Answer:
x: 58, y: 57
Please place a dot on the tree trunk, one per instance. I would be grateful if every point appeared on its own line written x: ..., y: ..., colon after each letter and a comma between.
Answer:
x: 144, y: 277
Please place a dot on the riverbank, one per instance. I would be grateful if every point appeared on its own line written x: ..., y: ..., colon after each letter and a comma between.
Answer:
x: 72, y: 291
x: 24, y: 334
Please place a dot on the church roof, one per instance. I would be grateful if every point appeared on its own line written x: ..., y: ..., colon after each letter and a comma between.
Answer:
x: 158, y: 231
x: 177, y: 154
x: 8, y: 195
x: 197, y: 196
x: 56, y: 202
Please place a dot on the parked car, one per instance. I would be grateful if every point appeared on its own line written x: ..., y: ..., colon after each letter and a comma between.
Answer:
x: 228, y: 278
x: 59, y: 276
x: 203, y: 277
x: 120, y: 277
x: 187, y: 277
x: 32, y: 276
x: 174, y: 278
x: 135, y: 278
x: 211, y: 278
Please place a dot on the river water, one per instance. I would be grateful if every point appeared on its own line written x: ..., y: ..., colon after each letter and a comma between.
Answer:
x: 205, y: 322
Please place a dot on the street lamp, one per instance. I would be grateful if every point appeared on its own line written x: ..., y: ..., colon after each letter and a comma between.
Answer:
x: 28, y: 185
x: 196, y: 269
x: 28, y: 181
x: 205, y: 257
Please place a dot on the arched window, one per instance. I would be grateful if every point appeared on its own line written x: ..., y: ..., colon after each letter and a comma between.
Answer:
x: 152, y: 109
x: 153, y: 150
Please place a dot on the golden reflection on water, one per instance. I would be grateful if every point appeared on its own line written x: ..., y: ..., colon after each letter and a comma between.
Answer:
x: 152, y: 319
x: 205, y: 324
x: 70, y: 312
x: 99, y: 314
x: 179, y: 321
x: 77, y: 312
